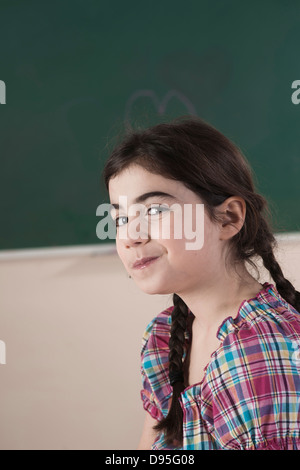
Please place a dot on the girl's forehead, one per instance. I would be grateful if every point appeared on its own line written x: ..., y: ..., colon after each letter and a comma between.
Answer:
x: 136, y: 183
x: 140, y: 177
x: 136, y: 171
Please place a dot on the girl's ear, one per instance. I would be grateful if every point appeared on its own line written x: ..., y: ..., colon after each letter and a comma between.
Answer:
x: 232, y: 215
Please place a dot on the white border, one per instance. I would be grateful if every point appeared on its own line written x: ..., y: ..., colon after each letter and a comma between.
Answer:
x: 95, y: 250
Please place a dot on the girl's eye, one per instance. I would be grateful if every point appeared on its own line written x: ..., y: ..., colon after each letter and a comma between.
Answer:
x: 122, y: 220
x: 157, y: 208
x: 118, y: 219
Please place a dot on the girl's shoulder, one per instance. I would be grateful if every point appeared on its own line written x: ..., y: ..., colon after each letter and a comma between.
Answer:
x: 261, y: 345
x: 253, y: 380
x: 264, y: 316
x: 270, y: 315
x: 157, y: 332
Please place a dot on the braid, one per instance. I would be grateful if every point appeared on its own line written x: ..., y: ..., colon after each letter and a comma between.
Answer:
x: 172, y: 425
x: 264, y: 244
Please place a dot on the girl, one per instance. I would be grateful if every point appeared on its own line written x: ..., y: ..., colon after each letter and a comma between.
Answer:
x: 220, y: 368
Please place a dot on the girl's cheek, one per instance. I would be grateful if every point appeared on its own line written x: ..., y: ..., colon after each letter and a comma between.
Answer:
x: 160, y: 228
x: 167, y: 227
x: 120, y: 251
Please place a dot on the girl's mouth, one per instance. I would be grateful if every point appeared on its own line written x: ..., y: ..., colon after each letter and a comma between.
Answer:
x: 144, y: 263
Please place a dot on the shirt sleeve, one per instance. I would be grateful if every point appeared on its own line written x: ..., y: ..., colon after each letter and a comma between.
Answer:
x: 147, y: 394
x: 154, y: 393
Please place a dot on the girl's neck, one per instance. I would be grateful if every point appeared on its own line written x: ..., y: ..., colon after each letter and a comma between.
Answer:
x: 213, y: 302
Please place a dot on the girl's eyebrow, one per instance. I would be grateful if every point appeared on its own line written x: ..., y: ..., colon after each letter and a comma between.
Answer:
x: 143, y: 197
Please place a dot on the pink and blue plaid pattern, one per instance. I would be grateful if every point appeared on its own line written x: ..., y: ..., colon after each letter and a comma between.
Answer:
x: 250, y: 395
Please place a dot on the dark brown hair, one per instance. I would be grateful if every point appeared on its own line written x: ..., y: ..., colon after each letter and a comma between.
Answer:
x: 193, y: 152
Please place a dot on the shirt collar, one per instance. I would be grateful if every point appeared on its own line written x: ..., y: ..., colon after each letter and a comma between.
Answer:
x: 248, y: 310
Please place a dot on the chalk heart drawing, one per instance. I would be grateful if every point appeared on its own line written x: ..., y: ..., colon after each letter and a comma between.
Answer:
x: 160, y: 105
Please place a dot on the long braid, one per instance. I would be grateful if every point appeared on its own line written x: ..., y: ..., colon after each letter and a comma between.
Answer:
x: 173, y: 423
x: 264, y: 245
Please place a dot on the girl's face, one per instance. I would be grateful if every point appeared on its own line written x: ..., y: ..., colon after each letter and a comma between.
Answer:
x: 176, y: 269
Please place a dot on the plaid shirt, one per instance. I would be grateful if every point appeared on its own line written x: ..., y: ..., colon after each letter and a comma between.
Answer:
x: 249, y: 397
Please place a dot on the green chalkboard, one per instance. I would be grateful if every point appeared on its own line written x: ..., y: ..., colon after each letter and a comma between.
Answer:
x: 77, y: 72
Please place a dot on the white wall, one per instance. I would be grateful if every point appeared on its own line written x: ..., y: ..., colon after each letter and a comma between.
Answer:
x: 72, y: 328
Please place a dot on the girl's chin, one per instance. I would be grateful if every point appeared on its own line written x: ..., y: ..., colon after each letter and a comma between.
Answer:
x: 154, y: 290
x: 156, y: 285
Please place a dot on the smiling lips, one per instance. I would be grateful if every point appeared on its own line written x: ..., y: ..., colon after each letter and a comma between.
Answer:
x: 144, y: 262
